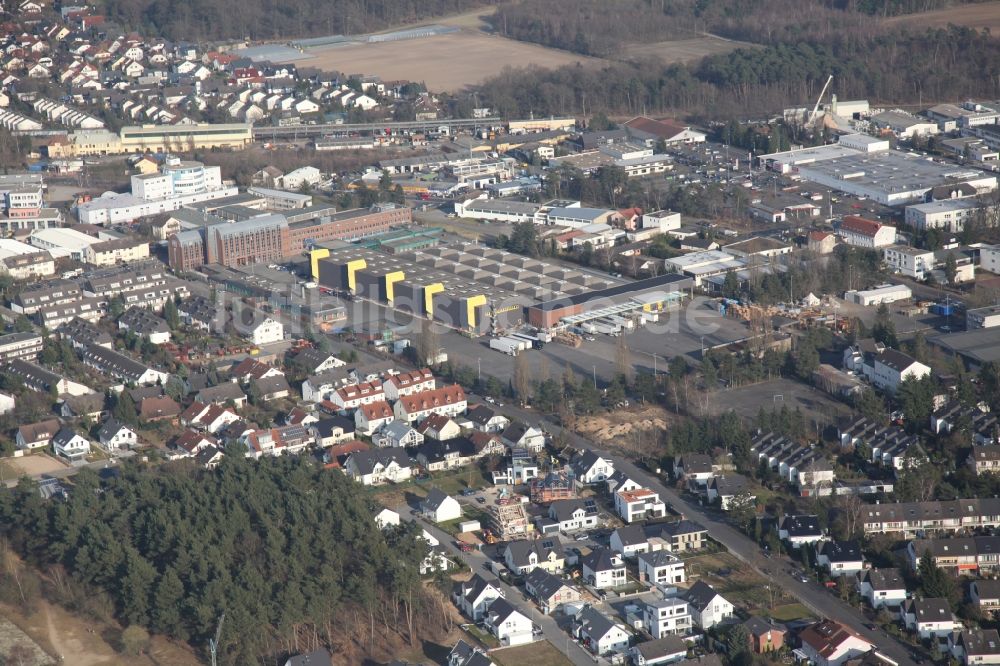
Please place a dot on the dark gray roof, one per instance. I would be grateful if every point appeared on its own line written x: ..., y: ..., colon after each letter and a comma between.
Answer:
x: 803, y: 525
x: 521, y: 550
x: 112, y: 361
x: 63, y: 436
x: 584, y: 461
x: 730, y: 484
x: 222, y: 393
x: 475, y: 586
x: 631, y: 535
x: 929, y: 610
x: 110, y: 428
x: 543, y: 583
x: 700, y: 595
x: 435, y: 498
x: 980, y: 641
x: 365, y: 461
x: 320, y: 657
x: 658, y: 558
x: 758, y: 626
x: 601, y: 559
x: 676, y: 528
x: 661, y: 647
x: 480, y: 414
x: 325, y: 427
x: 502, y: 609
x: 594, y: 623
x: 841, y: 551
x: 562, y: 510
x: 884, y: 579
x: 896, y: 360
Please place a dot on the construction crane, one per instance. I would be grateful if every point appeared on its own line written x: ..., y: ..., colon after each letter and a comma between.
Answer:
x: 819, y: 99
x: 213, y: 643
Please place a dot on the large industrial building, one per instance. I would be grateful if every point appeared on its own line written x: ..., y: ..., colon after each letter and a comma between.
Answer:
x: 154, y: 139
x: 889, y: 177
x: 479, y: 289
x: 271, y: 237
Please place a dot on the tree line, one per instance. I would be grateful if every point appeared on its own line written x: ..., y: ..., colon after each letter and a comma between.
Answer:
x: 261, y: 19
x: 287, y: 551
x: 893, y: 67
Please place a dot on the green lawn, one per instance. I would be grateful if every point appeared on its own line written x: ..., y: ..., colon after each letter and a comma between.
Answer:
x: 789, y: 612
x: 478, y: 635
x: 542, y: 653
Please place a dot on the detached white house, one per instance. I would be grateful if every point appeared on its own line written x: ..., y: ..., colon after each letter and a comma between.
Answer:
x: 115, y: 436
x: 928, y: 617
x: 840, y: 558
x: 592, y: 468
x: 708, y: 607
x: 378, y: 466
x: 599, y: 633
x: 603, y: 568
x: 891, y: 368
x: 440, y: 507
x: 475, y: 595
x: 509, y: 625
x: 881, y: 587
x: 266, y: 331
x: 70, y: 445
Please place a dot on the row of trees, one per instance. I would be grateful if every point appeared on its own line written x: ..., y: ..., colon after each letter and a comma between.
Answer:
x: 287, y: 551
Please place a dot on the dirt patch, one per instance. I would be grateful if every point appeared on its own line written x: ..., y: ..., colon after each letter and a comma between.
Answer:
x: 979, y: 16
x: 448, y: 62
x: 684, y: 50
x: 84, y: 642
x: 617, y: 426
x: 35, y: 465
x: 17, y: 647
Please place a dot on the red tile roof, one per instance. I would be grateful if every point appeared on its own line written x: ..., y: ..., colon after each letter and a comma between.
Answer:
x: 665, y: 129
x: 860, y: 225
x: 425, y: 400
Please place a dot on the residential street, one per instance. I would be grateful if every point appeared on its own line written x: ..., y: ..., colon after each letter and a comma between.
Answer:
x: 476, y: 561
x: 814, y: 597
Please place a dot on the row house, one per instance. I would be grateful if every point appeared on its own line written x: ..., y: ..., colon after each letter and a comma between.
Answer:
x: 351, y: 397
x: 974, y: 555
x: 804, y: 467
x: 122, y: 367
x: 448, y: 400
x: 982, y: 425
x: 909, y: 518
x: 408, y: 383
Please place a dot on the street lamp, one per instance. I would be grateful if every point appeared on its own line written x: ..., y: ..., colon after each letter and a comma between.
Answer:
x: 479, y: 370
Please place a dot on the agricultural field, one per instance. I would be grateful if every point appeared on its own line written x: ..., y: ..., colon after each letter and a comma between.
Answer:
x: 979, y: 16
x: 448, y: 62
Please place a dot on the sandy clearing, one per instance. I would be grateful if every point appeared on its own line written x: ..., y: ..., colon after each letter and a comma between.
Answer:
x: 444, y: 62
x: 985, y: 15
x: 36, y: 464
x: 684, y: 50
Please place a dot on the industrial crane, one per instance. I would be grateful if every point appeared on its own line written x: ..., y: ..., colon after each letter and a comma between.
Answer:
x: 819, y: 99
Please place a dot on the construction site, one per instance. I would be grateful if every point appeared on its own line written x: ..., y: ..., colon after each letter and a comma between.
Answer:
x: 508, y: 519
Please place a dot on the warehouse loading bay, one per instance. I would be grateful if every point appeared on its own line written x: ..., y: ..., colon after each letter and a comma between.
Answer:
x: 494, y: 304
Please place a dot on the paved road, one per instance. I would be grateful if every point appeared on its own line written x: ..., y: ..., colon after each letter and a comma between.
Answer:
x: 810, y: 594
x: 476, y: 561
